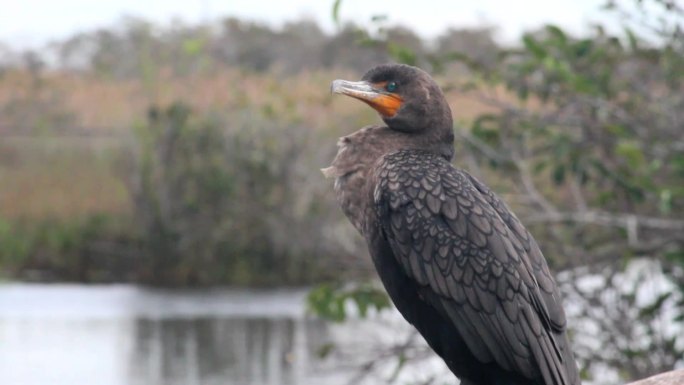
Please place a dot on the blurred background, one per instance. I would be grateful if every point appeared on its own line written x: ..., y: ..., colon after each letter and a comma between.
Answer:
x: 163, y: 219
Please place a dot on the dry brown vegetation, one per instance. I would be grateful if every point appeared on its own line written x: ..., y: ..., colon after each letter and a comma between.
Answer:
x: 74, y: 171
x: 69, y: 150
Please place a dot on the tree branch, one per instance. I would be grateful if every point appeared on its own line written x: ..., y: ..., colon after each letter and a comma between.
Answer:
x: 675, y: 377
x: 609, y: 219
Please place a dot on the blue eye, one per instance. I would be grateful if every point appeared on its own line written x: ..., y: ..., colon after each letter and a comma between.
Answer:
x: 391, y: 86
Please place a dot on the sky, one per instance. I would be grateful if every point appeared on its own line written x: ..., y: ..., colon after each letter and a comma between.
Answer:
x: 32, y: 23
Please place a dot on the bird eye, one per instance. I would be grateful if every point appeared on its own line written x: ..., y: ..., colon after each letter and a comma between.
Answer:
x: 391, y: 86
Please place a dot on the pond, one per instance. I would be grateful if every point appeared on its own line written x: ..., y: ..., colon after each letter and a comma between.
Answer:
x: 124, y: 334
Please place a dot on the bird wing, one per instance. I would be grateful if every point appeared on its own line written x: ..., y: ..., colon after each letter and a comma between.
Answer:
x: 458, y: 241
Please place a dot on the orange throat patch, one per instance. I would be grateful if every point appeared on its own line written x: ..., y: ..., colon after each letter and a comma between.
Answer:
x: 386, y: 104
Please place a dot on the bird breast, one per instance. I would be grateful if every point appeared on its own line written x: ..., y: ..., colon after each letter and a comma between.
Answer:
x: 356, y: 155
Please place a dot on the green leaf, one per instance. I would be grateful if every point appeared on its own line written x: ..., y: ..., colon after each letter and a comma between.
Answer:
x: 193, y: 47
x: 540, y: 166
x: 401, y: 362
x: 617, y: 129
x: 609, y: 5
x: 559, y: 174
x: 665, y: 205
x: 632, y: 38
x: 336, y: 11
x: 402, y: 54
x: 378, y: 18
x: 534, y: 47
x: 523, y: 91
x: 323, y: 302
x: 677, y: 164
x: 329, y: 301
x: 557, y: 33
x: 486, y: 128
x: 325, y: 350
x: 583, y: 47
x: 631, y: 151
x: 650, y: 310
x: 676, y: 256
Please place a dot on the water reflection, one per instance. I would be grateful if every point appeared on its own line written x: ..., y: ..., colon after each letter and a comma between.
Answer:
x: 127, y: 335
x: 224, y: 351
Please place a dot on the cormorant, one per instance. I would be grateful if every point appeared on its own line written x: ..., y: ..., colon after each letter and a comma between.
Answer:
x: 454, y: 259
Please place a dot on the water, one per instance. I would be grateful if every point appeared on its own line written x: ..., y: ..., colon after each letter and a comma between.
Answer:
x: 122, y: 334
x: 129, y: 335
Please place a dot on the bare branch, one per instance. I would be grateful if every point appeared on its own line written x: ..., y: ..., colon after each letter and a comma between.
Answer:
x: 528, y: 183
x: 609, y: 219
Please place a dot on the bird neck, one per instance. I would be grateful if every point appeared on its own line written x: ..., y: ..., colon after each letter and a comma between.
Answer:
x: 437, y: 140
x: 418, y: 126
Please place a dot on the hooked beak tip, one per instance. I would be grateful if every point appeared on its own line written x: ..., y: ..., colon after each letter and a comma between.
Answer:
x: 337, y: 86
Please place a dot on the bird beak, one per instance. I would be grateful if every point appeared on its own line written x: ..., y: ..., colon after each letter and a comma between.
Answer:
x: 386, y: 103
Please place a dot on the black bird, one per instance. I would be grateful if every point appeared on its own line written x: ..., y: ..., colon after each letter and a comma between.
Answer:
x: 455, y: 260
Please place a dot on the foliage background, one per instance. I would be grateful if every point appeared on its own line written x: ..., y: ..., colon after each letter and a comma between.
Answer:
x: 189, y: 155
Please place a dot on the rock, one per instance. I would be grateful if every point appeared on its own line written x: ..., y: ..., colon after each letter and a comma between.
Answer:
x: 675, y: 377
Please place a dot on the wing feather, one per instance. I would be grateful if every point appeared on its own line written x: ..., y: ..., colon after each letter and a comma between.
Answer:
x: 458, y: 240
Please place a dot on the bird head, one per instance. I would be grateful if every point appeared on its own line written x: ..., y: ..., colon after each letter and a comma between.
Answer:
x: 406, y: 97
